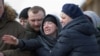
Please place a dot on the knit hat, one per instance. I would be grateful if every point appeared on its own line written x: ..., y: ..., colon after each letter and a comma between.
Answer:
x: 94, y: 18
x: 24, y: 13
x: 51, y: 19
x: 72, y: 10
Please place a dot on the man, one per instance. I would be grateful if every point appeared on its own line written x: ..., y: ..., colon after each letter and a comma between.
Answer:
x: 50, y: 28
x: 35, y: 17
x: 8, y: 25
x: 23, y: 16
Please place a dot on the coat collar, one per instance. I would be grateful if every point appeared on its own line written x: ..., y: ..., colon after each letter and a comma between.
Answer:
x: 8, y: 15
x: 82, y: 25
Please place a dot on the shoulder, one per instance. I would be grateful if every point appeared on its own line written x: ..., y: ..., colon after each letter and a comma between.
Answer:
x: 15, y: 24
x: 10, y: 13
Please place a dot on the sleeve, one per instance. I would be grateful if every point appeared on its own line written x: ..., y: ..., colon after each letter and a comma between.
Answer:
x: 63, y: 45
x: 30, y: 45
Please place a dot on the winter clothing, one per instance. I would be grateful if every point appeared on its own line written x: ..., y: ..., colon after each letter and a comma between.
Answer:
x: 76, y: 39
x: 24, y: 13
x: 8, y: 25
x: 31, y: 33
x: 95, y: 19
x: 42, y: 44
x: 98, y: 38
x: 50, y: 41
x: 71, y: 10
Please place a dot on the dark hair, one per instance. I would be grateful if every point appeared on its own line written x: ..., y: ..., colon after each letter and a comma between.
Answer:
x: 36, y: 9
x: 24, y: 13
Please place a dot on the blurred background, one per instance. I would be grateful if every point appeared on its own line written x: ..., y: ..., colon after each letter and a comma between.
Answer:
x: 92, y: 5
x: 48, y: 5
x: 54, y: 6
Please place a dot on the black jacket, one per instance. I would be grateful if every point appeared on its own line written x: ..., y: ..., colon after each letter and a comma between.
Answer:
x: 77, y: 39
x: 98, y: 37
x: 42, y: 44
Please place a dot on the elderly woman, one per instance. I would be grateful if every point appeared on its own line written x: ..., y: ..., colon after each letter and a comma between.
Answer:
x: 77, y: 38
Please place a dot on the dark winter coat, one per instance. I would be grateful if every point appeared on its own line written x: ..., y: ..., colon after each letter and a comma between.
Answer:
x: 98, y: 37
x: 42, y: 44
x: 77, y: 39
x: 8, y: 25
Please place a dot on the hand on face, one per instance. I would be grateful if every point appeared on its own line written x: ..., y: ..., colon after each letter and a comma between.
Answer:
x: 9, y: 39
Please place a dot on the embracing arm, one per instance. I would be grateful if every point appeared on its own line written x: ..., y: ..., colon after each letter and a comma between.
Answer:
x: 22, y: 43
x: 63, y: 45
x: 31, y: 44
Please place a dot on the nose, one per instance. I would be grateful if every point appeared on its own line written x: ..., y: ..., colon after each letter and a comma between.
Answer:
x: 36, y: 23
x: 45, y: 25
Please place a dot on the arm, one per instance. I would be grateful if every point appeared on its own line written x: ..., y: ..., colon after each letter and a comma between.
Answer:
x: 25, y: 46
x: 63, y: 45
x: 30, y: 45
x: 22, y: 43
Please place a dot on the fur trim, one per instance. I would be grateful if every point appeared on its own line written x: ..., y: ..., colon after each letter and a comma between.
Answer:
x: 9, y: 13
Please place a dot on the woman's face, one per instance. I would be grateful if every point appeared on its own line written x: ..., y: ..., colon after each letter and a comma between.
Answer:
x: 49, y: 28
x: 65, y: 19
x: 23, y: 22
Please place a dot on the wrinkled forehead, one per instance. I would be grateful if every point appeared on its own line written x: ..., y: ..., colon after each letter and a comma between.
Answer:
x: 40, y: 13
x: 35, y: 17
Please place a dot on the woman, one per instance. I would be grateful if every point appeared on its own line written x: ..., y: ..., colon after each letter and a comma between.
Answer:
x: 42, y: 44
x: 77, y: 38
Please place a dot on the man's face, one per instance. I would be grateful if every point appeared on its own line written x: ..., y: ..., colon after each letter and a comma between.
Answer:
x: 1, y: 8
x: 35, y: 20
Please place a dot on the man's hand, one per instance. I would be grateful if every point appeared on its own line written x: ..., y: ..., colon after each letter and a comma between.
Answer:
x: 9, y: 39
